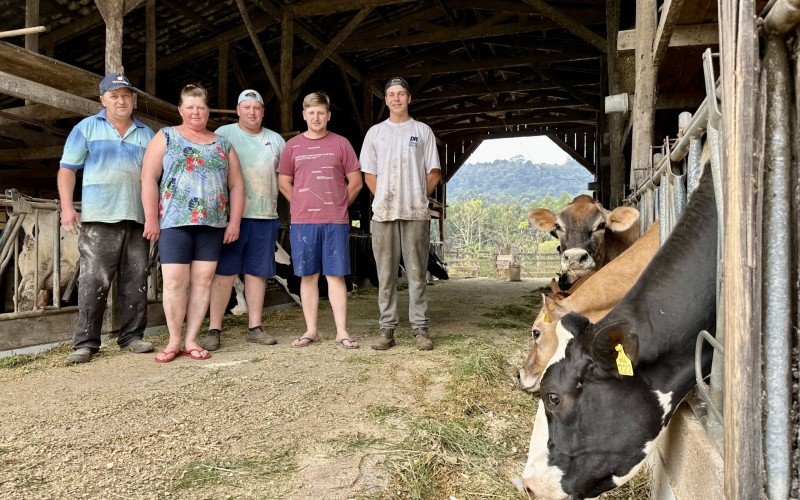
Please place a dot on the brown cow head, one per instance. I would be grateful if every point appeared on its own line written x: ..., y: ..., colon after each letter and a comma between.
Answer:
x: 589, y: 235
x: 544, y: 342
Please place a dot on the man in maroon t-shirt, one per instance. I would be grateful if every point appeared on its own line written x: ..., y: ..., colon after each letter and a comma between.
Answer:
x: 320, y: 175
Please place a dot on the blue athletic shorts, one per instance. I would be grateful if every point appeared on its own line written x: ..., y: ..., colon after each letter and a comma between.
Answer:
x: 182, y: 245
x: 254, y: 252
x: 320, y: 247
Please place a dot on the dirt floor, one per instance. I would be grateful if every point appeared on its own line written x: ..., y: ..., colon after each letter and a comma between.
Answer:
x: 280, y: 422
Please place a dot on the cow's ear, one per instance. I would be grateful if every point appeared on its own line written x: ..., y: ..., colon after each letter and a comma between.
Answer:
x: 575, y: 323
x: 615, y: 345
x: 554, y: 286
x: 622, y: 219
x: 542, y: 219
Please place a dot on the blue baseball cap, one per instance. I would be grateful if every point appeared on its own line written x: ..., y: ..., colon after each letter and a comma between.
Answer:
x: 114, y: 81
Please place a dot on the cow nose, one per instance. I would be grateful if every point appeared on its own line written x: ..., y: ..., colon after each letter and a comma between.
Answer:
x: 576, y: 256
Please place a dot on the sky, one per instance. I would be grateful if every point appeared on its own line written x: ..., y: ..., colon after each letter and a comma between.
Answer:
x: 536, y: 149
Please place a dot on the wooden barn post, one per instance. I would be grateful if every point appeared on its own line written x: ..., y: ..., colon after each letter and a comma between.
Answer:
x: 112, y: 12
x: 287, y: 48
x: 616, y: 124
x: 222, y: 75
x: 645, y: 99
x: 150, y: 48
x: 31, y: 20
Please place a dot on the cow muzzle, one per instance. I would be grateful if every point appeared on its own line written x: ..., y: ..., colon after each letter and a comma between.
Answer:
x: 576, y: 260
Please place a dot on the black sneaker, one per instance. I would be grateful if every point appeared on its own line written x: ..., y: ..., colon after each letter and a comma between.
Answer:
x: 257, y: 335
x: 82, y: 355
x: 210, y: 341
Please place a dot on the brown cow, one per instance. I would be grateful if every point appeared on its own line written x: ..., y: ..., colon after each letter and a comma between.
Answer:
x: 593, y: 298
x: 589, y: 235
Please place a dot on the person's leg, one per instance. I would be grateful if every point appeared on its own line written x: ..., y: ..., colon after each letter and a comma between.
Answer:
x: 386, y: 249
x: 307, y: 260
x: 201, y: 276
x: 99, y: 246
x: 221, y: 288
x: 415, y: 241
x: 254, y: 287
x: 174, y: 298
x: 132, y: 288
x: 335, y: 266
x: 259, y: 264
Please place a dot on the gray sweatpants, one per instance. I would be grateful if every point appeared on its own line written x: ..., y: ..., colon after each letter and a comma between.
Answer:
x: 108, y: 250
x: 389, y: 239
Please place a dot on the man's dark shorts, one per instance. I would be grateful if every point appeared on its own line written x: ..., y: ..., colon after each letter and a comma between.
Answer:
x: 182, y: 245
x: 321, y: 247
x: 254, y: 252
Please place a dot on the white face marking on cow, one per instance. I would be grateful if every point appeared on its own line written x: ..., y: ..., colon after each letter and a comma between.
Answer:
x: 648, y: 449
x: 564, y: 336
x: 665, y: 400
x: 543, y: 480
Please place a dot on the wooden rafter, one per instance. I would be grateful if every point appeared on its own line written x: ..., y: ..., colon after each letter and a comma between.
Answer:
x: 584, y: 119
x: 262, y: 56
x: 670, y: 11
x: 591, y: 101
x: 695, y: 35
x: 568, y: 23
x: 510, y: 107
x: 325, y: 7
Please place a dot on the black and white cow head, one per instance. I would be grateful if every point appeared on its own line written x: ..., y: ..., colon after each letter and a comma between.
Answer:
x: 592, y: 422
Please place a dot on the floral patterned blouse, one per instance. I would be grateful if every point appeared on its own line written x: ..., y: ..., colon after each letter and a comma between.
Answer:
x: 194, y: 182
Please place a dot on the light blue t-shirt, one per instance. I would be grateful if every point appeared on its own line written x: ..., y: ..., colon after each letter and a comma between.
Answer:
x: 258, y: 155
x: 112, y: 168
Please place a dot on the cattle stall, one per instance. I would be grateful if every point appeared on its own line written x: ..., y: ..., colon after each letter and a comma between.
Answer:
x: 746, y: 132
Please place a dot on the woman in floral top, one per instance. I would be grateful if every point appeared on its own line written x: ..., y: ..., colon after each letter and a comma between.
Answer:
x: 194, y: 210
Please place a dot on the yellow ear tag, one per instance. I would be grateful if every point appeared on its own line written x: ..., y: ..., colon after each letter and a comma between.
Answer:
x: 624, y: 365
x: 547, y: 318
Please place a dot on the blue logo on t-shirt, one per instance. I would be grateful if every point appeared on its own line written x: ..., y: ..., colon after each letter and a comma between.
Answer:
x: 413, y: 142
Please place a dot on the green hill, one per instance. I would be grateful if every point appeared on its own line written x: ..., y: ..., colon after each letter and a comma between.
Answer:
x: 517, y: 179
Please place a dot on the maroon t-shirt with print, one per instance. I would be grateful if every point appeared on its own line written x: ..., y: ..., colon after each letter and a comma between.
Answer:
x: 319, y: 168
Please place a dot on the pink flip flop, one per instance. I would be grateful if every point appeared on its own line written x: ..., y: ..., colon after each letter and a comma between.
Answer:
x: 169, y: 356
x: 200, y: 355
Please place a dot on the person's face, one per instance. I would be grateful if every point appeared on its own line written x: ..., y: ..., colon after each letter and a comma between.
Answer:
x: 194, y: 112
x: 397, y: 99
x: 250, y: 112
x: 317, y: 118
x: 118, y: 103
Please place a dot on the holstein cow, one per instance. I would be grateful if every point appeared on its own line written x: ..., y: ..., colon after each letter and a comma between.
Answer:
x: 611, y: 388
x: 30, y: 292
x: 589, y: 235
x: 594, y: 299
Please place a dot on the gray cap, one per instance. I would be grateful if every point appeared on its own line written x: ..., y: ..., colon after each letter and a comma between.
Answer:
x: 114, y: 81
x: 248, y: 94
x: 397, y: 81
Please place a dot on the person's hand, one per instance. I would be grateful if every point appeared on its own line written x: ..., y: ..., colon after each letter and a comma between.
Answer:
x: 70, y: 220
x: 231, y: 233
x: 151, y: 230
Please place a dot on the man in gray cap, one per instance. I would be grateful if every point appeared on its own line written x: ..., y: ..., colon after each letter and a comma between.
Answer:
x: 253, y: 253
x: 109, y: 147
x: 401, y: 167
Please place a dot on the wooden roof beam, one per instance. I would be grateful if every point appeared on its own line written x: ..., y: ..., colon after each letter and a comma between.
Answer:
x: 670, y: 11
x: 81, y: 25
x: 262, y: 56
x: 479, y: 90
x: 31, y: 154
x: 694, y: 35
x: 325, y: 7
x: 583, y: 119
x: 568, y: 22
x: 512, y: 107
x: 591, y: 101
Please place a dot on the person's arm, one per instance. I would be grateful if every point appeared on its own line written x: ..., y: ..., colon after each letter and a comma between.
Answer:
x: 285, y: 183
x: 66, y: 186
x: 354, y: 185
x: 432, y: 180
x: 235, y: 197
x: 372, y: 182
x: 151, y: 173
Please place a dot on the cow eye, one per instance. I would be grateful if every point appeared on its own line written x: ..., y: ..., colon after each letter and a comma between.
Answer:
x: 601, y: 227
x: 558, y: 227
x: 553, y: 399
x: 536, y: 333
x: 558, y: 249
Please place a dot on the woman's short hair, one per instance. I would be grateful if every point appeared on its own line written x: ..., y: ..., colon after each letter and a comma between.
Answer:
x: 317, y: 99
x: 193, y: 90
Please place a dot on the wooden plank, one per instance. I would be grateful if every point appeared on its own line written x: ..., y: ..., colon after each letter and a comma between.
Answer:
x: 32, y: 20
x: 643, y: 113
x: 287, y: 55
x: 113, y: 13
x: 568, y: 23
x: 222, y: 76
x: 497, y: 88
x: 616, y: 124
x: 502, y: 108
x: 328, y: 49
x: 150, y: 42
x: 351, y: 99
x: 262, y: 56
x: 366, y: 107
x: 591, y: 101
x: 32, y: 113
x: 34, y: 91
x: 583, y: 119
x: 31, y: 138
x: 28, y: 154
x: 325, y: 7
x: 743, y: 408
x: 695, y: 35
x: 670, y: 11
x: 575, y: 155
x: 80, y: 26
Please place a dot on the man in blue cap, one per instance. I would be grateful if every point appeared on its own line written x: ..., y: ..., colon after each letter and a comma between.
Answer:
x: 109, y: 147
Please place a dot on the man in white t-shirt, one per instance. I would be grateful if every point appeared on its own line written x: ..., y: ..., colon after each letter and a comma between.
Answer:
x: 253, y: 254
x: 401, y: 167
